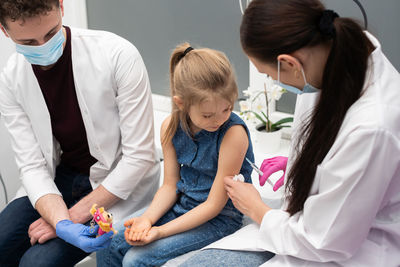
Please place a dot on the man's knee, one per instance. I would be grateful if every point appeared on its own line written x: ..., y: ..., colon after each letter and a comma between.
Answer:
x: 15, y: 220
x: 55, y: 252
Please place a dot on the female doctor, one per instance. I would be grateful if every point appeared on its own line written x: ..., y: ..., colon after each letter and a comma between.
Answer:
x: 342, y: 203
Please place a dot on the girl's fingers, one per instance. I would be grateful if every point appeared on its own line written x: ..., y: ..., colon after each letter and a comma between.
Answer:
x: 142, y: 235
x: 126, y: 234
x: 134, y: 236
x: 137, y: 235
x: 129, y: 222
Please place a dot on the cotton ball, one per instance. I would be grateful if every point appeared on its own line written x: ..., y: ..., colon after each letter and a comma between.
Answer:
x: 238, y: 177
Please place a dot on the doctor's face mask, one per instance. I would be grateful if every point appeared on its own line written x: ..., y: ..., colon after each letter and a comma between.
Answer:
x: 308, y: 88
x: 46, y: 54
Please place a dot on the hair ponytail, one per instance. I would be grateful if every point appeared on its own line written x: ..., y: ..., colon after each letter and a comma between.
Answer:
x: 342, y: 81
x: 176, y: 56
x: 176, y: 115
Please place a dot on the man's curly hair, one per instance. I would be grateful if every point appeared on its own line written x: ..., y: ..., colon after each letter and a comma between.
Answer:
x: 22, y: 9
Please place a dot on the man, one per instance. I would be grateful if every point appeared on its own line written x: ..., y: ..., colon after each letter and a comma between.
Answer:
x: 77, y: 105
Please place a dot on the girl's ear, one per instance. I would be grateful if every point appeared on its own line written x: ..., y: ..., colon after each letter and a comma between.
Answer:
x: 178, y: 102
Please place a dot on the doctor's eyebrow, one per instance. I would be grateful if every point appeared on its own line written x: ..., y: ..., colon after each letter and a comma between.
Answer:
x: 47, y: 34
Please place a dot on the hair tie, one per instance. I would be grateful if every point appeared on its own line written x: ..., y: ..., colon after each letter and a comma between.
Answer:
x: 326, y: 25
x: 187, y: 50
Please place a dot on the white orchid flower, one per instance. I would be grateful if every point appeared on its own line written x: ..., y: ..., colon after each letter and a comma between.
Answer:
x: 257, y: 103
x: 244, y: 106
x: 275, y: 93
x: 247, y: 93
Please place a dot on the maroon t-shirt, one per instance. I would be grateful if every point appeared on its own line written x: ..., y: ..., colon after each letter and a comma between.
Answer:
x: 58, y: 88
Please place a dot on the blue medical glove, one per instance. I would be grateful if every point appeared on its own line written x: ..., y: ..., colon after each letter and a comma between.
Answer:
x: 82, y: 236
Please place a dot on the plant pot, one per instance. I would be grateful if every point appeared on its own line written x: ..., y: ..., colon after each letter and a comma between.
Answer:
x: 266, y: 142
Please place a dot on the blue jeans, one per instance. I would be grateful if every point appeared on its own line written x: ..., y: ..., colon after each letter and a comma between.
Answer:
x: 15, y: 247
x: 220, y: 257
x: 120, y: 253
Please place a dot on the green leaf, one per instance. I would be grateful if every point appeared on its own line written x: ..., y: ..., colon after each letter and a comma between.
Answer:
x: 282, y: 121
x: 265, y: 116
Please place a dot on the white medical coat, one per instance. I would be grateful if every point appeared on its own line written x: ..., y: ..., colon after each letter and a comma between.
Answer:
x: 352, y: 215
x: 114, y: 97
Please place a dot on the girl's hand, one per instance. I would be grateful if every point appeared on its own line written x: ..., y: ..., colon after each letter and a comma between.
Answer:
x: 137, y: 228
x: 152, y: 235
x: 246, y: 199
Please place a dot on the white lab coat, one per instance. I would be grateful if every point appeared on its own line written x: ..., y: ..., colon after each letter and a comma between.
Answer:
x: 352, y: 216
x: 114, y: 97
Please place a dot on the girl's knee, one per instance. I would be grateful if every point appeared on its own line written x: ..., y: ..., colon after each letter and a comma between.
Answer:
x: 141, y: 256
x: 135, y: 258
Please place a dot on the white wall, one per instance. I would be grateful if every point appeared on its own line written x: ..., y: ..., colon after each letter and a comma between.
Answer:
x: 75, y: 13
x: 75, y: 16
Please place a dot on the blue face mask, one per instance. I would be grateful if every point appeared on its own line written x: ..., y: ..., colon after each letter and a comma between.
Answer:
x: 308, y: 88
x: 46, y: 54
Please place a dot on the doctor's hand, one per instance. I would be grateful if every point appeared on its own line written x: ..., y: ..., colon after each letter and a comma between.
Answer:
x: 246, y: 199
x: 270, y: 166
x: 82, y: 236
x: 152, y: 235
x: 137, y: 228
x: 41, y: 231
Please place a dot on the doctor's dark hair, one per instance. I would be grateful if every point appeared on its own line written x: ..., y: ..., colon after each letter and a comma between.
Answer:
x: 22, y: 9
x: 197, y: 75
x: 271, y: 28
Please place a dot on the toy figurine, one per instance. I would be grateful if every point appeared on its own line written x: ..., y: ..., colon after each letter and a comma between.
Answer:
x: 103, y: 219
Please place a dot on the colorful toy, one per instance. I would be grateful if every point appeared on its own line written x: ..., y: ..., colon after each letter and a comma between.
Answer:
x: 103, y: 218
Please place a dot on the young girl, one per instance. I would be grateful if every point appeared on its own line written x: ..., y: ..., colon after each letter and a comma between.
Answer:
x: 202, y: 141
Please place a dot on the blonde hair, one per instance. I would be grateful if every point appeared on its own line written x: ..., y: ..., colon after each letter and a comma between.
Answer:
x: 194, y: 77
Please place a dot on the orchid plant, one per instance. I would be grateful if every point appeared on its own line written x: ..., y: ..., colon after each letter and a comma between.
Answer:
x: 258, y: 102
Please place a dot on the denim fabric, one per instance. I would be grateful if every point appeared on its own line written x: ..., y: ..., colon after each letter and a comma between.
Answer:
x: 220, y: 257
x: 120, y: 253
x: 15, y: 247
x: 199, y: 162
x: 198, y: 158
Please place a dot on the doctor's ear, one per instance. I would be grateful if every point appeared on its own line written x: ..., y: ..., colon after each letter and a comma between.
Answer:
x: 62, y: 7
x: 289, y: 63
x: 178, y: 102
x: 4, y: 31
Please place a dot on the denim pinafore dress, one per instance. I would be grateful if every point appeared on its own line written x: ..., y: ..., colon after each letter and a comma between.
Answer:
x: 198, y: 157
